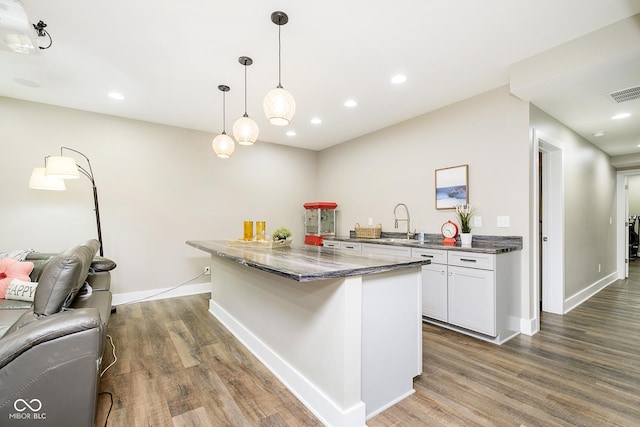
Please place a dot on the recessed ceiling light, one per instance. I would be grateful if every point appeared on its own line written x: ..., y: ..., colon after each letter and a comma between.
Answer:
x: 116, y: 95
x: 291, y: 133
x: 27, y: 83
x: 621, y: 116
x: 316, y: 121
x: 350, y: 103
x: 398, y: 79
x: 599, y: 133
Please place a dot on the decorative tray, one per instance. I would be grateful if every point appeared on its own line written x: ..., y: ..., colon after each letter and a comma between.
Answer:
x: 260, y: 244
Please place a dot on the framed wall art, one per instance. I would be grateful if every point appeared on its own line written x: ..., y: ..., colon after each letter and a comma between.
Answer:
x: 452, y: 187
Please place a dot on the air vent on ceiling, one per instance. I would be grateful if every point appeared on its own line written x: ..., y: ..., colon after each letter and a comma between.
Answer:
x: 625, y: 95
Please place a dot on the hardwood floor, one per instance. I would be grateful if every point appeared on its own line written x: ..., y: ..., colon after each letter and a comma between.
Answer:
x: 177, y: 366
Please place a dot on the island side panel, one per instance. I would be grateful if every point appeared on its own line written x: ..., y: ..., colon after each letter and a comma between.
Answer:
x: 391, y: 337
x: 308, y: 334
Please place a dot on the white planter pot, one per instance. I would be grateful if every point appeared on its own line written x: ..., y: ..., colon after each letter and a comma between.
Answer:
x: 465, y: 239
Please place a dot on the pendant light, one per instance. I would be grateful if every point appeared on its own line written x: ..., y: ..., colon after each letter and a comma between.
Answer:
x: 245, y: 129
x: 279, y: 105
x: 223, y: 144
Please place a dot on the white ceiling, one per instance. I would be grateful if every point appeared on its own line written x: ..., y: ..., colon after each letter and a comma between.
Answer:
x: 167, y: 57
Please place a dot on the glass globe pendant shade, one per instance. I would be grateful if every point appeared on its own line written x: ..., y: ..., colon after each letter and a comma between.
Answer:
x: 279, y: 107
x: 245, y: 130
x: 223, y: 146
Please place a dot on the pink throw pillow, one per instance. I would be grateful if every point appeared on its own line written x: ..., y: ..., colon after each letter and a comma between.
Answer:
x: 13, y: 269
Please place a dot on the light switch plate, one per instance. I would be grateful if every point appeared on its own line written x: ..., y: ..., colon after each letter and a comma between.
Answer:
x: 503, y: 221
x: 477, y: 221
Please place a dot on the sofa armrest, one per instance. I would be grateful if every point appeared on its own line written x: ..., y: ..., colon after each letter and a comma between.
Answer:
x: 53, y: 364
x: 36, y: 332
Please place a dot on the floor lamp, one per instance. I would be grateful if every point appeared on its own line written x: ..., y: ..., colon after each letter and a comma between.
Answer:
x: 59, y: 168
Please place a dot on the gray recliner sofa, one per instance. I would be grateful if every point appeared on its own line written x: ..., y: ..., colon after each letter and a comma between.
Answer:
x: 51, y: 349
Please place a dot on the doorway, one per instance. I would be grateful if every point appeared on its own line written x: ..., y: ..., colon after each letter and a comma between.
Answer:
x: 548, y: 224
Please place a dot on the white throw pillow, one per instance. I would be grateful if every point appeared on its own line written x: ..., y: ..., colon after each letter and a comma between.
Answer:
x: 20, y: 290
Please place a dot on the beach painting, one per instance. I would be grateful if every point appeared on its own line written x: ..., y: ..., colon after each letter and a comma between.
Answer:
x: 452, y: 187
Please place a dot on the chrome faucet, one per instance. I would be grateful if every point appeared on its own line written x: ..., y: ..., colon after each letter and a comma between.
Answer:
x: 407, y: 219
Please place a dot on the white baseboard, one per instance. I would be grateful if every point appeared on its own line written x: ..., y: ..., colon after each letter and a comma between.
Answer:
x: 577, y: 299
x: 155, y: 294
x: 529, y: 327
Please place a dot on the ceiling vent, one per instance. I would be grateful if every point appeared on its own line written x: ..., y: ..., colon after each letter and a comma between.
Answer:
x: 625, y: 95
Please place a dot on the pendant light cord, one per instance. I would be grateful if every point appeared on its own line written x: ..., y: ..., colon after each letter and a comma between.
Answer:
x: 245, y: 90
x: 224, y: 113
x: 279, y: 58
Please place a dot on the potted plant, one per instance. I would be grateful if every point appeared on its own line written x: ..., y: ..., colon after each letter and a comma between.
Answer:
x: 281, y: 233
x: 465, y: 213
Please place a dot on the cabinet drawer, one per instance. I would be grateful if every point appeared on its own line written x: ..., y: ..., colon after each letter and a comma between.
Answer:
x: 472, y: 260
x: 350, y: 246
x: 331, y: 244
x: 373, y: 248
x: 435, y: 255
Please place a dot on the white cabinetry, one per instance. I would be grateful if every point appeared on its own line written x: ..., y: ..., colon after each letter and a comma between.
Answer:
x: 434, y: 283
x: 474, y: 293
x: 373, y: 248
x: 472, y: 299
x: 351, y: 246
x: 331, y: 244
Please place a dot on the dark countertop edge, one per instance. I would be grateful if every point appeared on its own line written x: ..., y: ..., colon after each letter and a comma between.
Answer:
x: 480, y: 243
x: 310, y: 277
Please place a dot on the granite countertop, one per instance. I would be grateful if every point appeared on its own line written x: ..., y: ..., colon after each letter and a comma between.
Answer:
x: 307, y: 263
x: 480, y: 244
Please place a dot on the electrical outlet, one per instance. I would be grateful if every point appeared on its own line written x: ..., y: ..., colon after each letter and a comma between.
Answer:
x: 599, y: 268
x: 207, y: 270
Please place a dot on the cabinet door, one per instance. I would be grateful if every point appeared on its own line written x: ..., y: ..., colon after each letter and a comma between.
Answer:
x: 374, y: 248
x: 434, y: 291
x: 351, y: 246
x: 472, y: 297
x: 331, y: 244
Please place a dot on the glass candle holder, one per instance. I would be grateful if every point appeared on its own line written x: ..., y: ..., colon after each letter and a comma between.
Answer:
x: 261, y: 227
x: 248, y: 230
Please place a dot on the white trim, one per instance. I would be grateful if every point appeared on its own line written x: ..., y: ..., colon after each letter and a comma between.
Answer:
x: 622, y: 234
x: 313, y: 398
x: 529, y: 326
x: 163, y: 293
x: 577, y: 299
x: 553, y: 285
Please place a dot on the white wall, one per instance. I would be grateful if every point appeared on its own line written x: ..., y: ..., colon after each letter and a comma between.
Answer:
x: 368, y: 176
x: 634, y: 194
x: 158, y: 187
x: 589, y: 203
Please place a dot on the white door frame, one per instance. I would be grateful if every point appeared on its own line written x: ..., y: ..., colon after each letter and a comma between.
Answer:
x: 622, y: 208
x: 552, y: 224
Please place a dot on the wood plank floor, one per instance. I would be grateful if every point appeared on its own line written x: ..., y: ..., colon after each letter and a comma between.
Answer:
x: 177, y: 366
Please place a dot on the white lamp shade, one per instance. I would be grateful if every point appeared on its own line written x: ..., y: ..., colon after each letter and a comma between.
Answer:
x: 223, y: 145
x: 279, y: 107
x: 245, y: 131
x: 61, y: 167
x: 40, y: 181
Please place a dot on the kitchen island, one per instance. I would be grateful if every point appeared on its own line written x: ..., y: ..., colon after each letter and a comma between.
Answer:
x: 342, y: 331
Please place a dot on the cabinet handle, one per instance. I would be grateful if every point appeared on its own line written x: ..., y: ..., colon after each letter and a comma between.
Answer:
x: 426, y: 256
x: 442, y: 273
x: 468, y: 260
x: 349, y: 247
